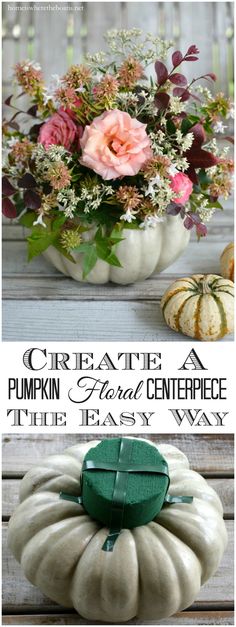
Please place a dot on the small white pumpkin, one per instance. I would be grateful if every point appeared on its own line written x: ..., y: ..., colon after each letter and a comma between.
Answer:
x: 227, y: 262
x: 201, y: 306
x: 141, y: 253
x: 154, y: 570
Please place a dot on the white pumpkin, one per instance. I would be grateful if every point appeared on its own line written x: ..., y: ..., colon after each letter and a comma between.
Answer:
x: 154, y: 570
x: 227, y: 262
x: 201, y: 306
x: 141, y: 253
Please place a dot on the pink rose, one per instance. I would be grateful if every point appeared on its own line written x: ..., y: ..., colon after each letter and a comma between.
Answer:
x: 60, y: 129
x: 181, y: 184
x: 115, y: 145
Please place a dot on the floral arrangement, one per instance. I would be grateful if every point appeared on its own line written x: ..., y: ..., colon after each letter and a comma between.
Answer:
x: 112, y: 148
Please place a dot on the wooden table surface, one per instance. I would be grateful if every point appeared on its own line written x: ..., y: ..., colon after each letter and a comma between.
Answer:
x: 41, y: 304
x: 211, y: 455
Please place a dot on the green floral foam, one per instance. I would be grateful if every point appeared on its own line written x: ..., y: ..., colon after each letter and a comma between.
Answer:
x: 141, y: 492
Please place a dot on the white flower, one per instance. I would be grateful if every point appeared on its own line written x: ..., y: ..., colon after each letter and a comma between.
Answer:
x: 67, y: 202
x: 187, y: 141
x: 219, y: 127
x: 54, y: 84
x: 156, y: 181
x: 172, y: 170
x: 175, y: 105
x: 128, y: 216
x: 40, y: 221
x: 179, y: 136
x: 28, y: 64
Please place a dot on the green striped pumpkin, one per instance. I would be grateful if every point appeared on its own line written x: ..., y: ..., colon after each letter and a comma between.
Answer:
x: 201, y: 306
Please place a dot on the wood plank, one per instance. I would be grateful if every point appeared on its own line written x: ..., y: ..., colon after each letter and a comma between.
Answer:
x: 51, y: 26
x: 100, y: 17
x: 10, y: 19
x: 79, y: 34
x: 221, y: 43
x: 147, y: 13
x: 18, y: 592
x: 82, y: 321
x: 196, y: 27
x: 223, y: 487
x: 209, y: 454
x: 182, y: 618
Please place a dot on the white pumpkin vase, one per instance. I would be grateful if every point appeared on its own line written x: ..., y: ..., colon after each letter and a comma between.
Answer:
x: 154, y: 571
x: 141, y: 253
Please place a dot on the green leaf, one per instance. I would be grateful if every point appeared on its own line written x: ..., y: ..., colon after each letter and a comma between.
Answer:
x: 27, y: 219
x: 89, y: 261
x: 115, y: 236
x: 84, y: 247
x: 63, y: 251
x: 170, y: 127
x: 98, y: 235
x: 103, y: 250
x: 186, y: 125
x: 204, y: 178
x: 216, y: 204
x: 130, y: 225
x: 58, y: 222
x: 38, y: 243
x: 113, y: 260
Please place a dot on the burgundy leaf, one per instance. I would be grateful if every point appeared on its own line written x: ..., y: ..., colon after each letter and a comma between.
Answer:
x: 161, y: 100
x: 211, y: 75
x: 8, y: 101
x: 7, y: 187
x: 195, y: 218
x: 192, y: 175
x: 191, y: 58
x: 201, y: 229
x: 178, y: 79
x: 173, y: 209
x: 13, y: 125
x: 33, y: 110
x: 162, y: 72
x: 180, y: 116
x: 193, y: 49
x: 199, y: 134
x: 188, y: 222
x: 27, y: 181
x: 15, y: 116
x: 32, y: 200
x: 177, y: 57
x: 34, y: 131
x: 201, y: 158
x: 182, y: 93
x: 8, y: 208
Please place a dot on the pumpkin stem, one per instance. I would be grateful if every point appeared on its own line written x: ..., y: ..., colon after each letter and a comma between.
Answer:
x: 206, y: 289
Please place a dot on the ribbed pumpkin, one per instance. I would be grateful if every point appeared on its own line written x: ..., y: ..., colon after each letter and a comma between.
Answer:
x: 227, y: 262
x: 201, y: 306
x: 154, y: 570
x: 141, y: 253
